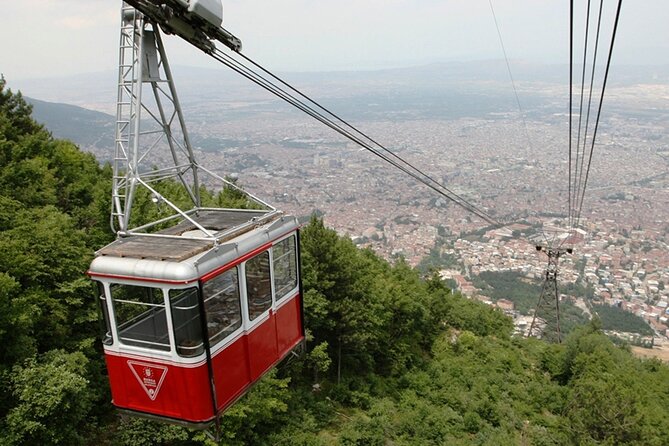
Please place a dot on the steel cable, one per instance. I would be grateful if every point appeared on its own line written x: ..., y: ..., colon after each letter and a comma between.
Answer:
x: 599, y: 110
x: 395, y: 161
x: 364, y: 135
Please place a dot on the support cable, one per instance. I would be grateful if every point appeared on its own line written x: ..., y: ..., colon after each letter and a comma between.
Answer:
x: 571, y: 80
x: 513, y: 83
x: 515, y: 92
x: 356, y: 130
x: 578, y: 182
x: 592, y: 81
x: 599, y: 111
x: 579, y: 161
x: 396, y: 161
x: 353, y: 128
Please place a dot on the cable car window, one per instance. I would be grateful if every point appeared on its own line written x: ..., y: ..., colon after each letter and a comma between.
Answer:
x: 105, y: 326
x: 222, y: 305
x: 285, y: 266
x: 258, y: 286
x: 186, y: 322
x: 140, y: 316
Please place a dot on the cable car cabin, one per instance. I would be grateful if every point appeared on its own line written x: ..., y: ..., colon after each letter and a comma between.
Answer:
x: 190, y: 324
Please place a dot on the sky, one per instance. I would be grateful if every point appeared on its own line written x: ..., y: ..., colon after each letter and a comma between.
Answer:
x: 47, y: 38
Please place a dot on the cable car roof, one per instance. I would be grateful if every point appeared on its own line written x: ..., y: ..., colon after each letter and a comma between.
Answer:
x: 176, y: 255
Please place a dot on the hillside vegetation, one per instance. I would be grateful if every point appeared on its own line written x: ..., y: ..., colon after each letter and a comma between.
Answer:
x: 614, y: 318
x: 392, y: 358
x: 86, y: 127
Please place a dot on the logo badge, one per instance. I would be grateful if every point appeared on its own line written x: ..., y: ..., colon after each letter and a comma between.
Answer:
x: 150, y: 376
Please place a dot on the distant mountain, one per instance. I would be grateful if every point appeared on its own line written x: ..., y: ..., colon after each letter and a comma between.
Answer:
x: 86, y: 128
x: 196, y: 84
x: 444, y: 90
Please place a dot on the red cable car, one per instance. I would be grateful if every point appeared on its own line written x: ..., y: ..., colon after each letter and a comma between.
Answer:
x: 191, y: 324
x: 202, y: 302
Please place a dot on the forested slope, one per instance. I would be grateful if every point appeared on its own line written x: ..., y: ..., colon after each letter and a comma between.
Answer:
x: 392, y: 358
x: 52, y: 215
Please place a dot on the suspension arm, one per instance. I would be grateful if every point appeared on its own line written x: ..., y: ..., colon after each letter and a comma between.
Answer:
x: 196, y: 21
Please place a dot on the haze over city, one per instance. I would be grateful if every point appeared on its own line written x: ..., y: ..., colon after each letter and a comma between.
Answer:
x: 80, y: 36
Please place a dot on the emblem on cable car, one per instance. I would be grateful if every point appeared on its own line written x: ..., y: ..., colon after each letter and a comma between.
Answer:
x: 150, y: 376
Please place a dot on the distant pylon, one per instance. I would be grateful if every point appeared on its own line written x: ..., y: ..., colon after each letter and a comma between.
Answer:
x: 546, y: 320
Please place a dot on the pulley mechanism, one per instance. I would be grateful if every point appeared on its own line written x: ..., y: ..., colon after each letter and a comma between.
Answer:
x: 196, y: 21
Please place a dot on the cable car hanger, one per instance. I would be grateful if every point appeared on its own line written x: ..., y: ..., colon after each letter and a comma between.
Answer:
x: 201, y: 302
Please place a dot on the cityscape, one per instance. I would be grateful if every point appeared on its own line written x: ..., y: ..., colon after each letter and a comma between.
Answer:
x: 408, y: 223
x: 513, y: 165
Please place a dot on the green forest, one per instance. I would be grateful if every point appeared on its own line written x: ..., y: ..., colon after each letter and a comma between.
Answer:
x: 614, y: 318
x: 392, y: 357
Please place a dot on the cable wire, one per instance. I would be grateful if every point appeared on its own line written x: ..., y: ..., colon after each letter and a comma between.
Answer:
x: 599, y: 110
x: 579, y: 161
x: 571, y: 81
x: 592, y: 82
x: 395, y: 161
x: 356, y: 130
x: 578, y: 182
x: 513, y: 83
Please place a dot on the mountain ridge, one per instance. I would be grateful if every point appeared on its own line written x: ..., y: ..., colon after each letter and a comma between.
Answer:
x: 96, y: 90
x: 86, y: 128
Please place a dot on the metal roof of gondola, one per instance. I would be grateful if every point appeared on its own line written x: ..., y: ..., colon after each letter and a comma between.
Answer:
x: 183, y: 240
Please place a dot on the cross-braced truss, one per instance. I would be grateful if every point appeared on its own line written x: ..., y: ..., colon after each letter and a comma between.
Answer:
x: 152, y: 142
x: 546, y: 320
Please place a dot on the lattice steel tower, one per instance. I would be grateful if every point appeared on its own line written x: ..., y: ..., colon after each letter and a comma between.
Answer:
x: 152, y: 142
x: 546, y: 319
x: 143, y: 68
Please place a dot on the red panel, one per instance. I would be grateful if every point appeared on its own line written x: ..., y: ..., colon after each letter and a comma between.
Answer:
x: 247, y: 359
x: 231, y: 372
x: 288, y: 325
x: 161, y: 389
x: 183, y: 393
x: 262, y: 347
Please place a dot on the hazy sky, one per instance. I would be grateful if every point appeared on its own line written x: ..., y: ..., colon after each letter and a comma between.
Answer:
x: 43, y: 38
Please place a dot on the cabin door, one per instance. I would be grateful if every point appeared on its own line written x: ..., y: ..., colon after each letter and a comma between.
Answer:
x: 223, y: 310
x: 261, y: 328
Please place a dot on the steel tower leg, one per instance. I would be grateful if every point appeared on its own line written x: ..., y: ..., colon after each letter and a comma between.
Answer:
x: 546, y: 320
x: 147, y: 126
